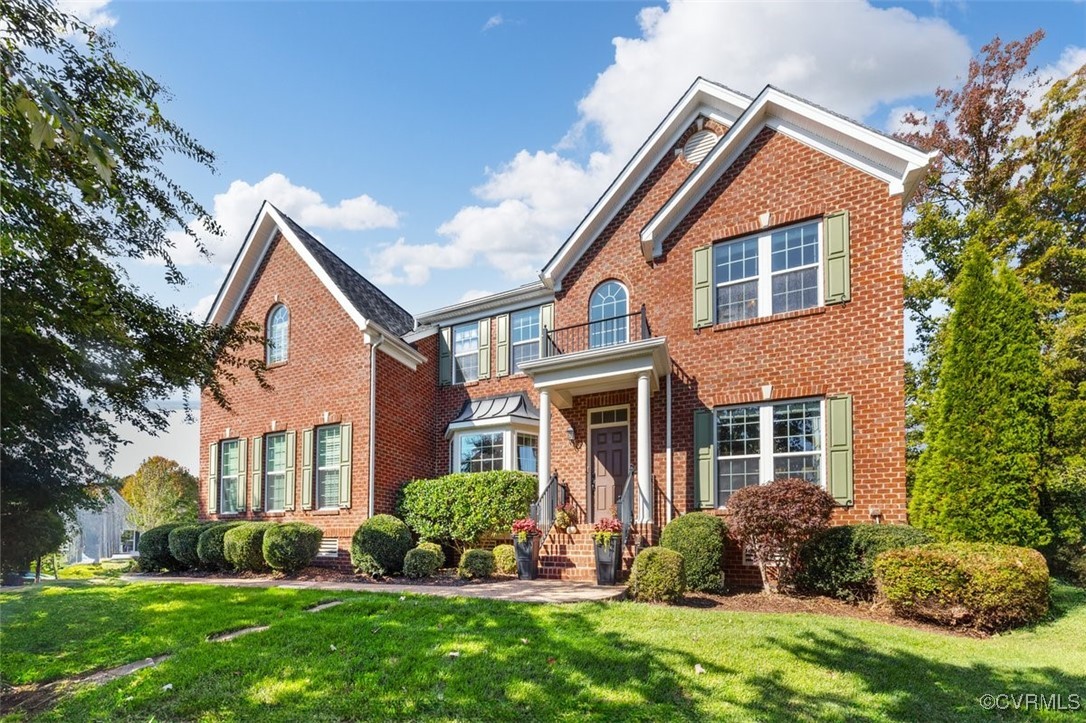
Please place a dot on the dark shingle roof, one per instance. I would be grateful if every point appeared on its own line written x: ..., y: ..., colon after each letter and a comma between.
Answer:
x: 369, y: 300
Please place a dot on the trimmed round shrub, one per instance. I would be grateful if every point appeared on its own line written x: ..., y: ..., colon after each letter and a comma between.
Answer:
x: 838, y: 562
x: 699, y: 538
x: 210, y: 547
x: 505, y: 558
x: 243, y: 546
x: 380, y: 545
x: 422, y: 562
x: 982, y: 585
x: 476, y: 565
x: 426, y: 545
x: 290, y: 547
x: 154, y: 549
x: 658, y: 576
x: 182, y: 542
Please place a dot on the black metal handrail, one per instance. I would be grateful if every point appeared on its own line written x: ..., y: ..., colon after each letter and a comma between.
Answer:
x: 624, y: 506
x: 597, y: 334
x: 543, y: 509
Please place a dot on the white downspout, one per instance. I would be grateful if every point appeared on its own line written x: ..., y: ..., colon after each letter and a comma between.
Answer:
x: 373, y: 420
x: 670, y: 474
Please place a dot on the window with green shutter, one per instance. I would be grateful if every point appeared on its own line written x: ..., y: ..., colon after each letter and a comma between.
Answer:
x: 703, y: 457
x: 484, y: 348
x: 213, y: 478
x: 445, y: 356
x: 230, y: 475
x: 256, y: 477
x: 839, y: 447
x: 503, y: 345
x: 344, y: 466
x: 307, y: 469
x: 275, y: 472
x: 291, y: 445
x: 703, y: 287
x: 838, y: 282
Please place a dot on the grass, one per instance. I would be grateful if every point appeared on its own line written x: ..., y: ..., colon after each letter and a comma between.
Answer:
x: 379, y: 657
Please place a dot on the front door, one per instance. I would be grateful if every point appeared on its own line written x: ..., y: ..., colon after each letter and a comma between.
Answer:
x: 610, y: 466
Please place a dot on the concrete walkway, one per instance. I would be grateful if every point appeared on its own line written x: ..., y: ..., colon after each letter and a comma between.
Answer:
x: 536, y: 591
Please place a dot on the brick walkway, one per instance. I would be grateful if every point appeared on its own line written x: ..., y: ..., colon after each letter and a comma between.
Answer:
x: 536, y: 591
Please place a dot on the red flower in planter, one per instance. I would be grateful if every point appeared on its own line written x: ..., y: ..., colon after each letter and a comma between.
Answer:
x: 605, y: 530
x: 525, y: 528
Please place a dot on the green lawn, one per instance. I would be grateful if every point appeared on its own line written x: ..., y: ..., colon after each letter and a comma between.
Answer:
x: 379, y: 657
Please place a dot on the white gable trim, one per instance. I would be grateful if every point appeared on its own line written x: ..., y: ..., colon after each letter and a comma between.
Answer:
x: 702, y: 98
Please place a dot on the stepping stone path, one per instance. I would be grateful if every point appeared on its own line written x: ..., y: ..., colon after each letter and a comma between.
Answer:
x: 223, y: 637
x: 35, y: 698
x: 323, y: 606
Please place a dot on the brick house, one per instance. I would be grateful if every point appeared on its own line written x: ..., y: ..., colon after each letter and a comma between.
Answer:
x: 729, y: 311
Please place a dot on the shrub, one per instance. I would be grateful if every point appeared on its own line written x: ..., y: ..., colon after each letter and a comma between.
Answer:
x: 476, y: 564
x: 380, y: 545
x: 462, y: 508
x: 774, y: 520
x: 505, y: 558
x: 427, y: 545
x: 422, y: 562
x: 183, y: 540
x: 290, y: 547
x: 657, y: 576
x: 210, y: 547
x: 992, y: 587
x: 838, y: 562
x: 1064, y: 506
x: 699, y: 538
x: 154, y: 549
x: 243, y: 546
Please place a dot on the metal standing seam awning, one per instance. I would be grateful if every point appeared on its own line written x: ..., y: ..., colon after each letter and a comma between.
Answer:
x: 512, y: 410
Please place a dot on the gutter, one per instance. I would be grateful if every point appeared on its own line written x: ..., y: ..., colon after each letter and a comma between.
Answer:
x: 373, y: 421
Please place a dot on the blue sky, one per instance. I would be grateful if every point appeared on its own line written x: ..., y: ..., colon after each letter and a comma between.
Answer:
x: 446, y: 149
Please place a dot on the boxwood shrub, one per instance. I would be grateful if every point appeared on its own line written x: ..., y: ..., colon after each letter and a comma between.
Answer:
x: 422, y: 562
x: 505, y: 558
x: 210, y: 547
x: 476, y: 564
x: 243, y: 546
x: 291, y: 546
x: 380, y: 545
x: 182, y: 541
x: 657, y: 576
x: 427, y: 545
x: 699, y: 538
x: 154, y: 547
x: 987, y: 586
x: 838, y: 561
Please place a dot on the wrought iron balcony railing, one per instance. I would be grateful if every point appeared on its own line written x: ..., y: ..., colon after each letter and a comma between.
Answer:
x: 597, y: 334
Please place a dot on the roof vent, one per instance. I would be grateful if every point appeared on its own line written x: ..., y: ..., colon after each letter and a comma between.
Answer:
x: 699, y: 145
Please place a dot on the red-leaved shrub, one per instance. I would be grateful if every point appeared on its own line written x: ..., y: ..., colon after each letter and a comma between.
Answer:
x: 773, y: 521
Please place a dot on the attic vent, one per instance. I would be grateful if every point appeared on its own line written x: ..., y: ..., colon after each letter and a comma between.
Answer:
x: 699, y: 145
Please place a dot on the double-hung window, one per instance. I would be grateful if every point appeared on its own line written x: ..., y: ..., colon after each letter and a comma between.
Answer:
x: 275, y: 471
x: 229, y: 475
x: 328, y: 466
x: 525, y: 337
x: 770, y: 273
x: 465, y: 353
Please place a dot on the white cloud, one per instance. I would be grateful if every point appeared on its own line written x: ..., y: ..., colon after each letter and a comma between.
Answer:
x: 492, y: 22
x: 1071, y: 59
x: 472, y: 295
x: 199, y: 311
x: 234, y: 211
x: 92, y: 12
x: 895, y: 121
x: 849, y: 56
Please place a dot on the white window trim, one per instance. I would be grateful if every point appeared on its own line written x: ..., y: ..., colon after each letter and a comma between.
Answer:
x: 538, y: 340
x: 268, y: 332
x: 455, y: 367
x: 268, y: 472
x: 317, y: 468
x: 765, y: 270
x: 765, y: 442
x: 509, y: 441
x: 620, y: 330
x: 222, y: 477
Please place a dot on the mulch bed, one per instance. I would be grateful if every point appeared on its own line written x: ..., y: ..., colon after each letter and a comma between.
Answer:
x: 443, y: 578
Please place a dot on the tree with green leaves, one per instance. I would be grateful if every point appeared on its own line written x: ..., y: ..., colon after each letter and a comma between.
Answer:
x: 978, y: 478
x: 161, y: 491
x: 83, y: 191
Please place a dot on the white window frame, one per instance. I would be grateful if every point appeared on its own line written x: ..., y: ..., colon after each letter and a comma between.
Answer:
x: 268, y: 472
x: 765, y: 270
x: 272, y: 348
x: 318, y: 470
x: 614, y: 326
x: 516, y: 434
x: 225, y: 509
x: 765, y: 442
x: 510, y: 457
x: 456, y: 379
x: 537, y: 340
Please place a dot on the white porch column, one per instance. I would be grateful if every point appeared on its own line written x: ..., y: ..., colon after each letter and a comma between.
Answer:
x: 544, y: 438
x: 644, y: 448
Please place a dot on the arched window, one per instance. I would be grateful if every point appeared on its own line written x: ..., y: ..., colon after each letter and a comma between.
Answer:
x: 607, y: 311
x: 277, y: 334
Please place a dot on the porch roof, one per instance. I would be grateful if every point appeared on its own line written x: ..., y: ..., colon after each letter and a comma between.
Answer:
x: 514, y: 410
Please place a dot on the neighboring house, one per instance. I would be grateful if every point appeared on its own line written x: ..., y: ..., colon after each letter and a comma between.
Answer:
x: 98, y: 535
x: 730, y: 311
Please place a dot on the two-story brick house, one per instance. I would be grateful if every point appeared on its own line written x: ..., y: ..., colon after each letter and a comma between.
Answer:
x: 729, y: 311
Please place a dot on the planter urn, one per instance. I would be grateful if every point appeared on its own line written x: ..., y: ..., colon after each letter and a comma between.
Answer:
x: 527, y: 554
x: 608, y: 560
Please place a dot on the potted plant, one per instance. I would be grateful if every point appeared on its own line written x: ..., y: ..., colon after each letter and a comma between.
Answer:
x: 565, y: 516
x: 607, y: 534
x: 526, y: 536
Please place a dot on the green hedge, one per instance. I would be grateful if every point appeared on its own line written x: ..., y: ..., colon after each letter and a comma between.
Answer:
x: 422, y: 562
x: 657, y: 576
x: 380, y: 545
x: 436, y: 548
x: 243, y: 546
x: 183, y: 540
x: 154, y: 548
x: 291, y: 546
x: 838, y: 562
x: 460, y: 509
x: 505, y: 558
x: 983, y: 585
x: 210, y: 547
x: 699, y: 538
x: 476, y: 564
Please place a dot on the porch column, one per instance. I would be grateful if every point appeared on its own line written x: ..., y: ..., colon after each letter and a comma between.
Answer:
x: 544, y: 439
x: 644, y: 448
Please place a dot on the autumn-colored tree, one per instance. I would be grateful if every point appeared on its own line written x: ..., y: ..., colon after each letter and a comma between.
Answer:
x: 161, y: 491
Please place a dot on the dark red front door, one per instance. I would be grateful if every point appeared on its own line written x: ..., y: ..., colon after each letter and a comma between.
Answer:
x: 610, y: 460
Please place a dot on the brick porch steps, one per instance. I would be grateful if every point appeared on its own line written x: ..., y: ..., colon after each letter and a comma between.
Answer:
x: 563, y: 556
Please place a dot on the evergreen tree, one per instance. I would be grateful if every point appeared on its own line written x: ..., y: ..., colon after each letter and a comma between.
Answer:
x: 979, y: 473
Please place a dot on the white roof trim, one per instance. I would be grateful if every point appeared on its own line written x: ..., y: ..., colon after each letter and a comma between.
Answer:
x: 501, y: 301
x: 900, y: 166
x: 702, y: 98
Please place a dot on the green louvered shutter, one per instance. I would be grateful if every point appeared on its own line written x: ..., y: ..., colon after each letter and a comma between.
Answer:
x: 444, y: 355
x: 502, y: 363
x: 546, y: 324
x: 345, y: 465
x: 243, y: 474
x: 484, y: 348
x: 257, y: 488
x: 307, y: 469
x: 213, y: 478
x: 292, y: 439
x: 839, y: 443
x: 703, y: 457
x: 703, y: 287
x: 838, y: 272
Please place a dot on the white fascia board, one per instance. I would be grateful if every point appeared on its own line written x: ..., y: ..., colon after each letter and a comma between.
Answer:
x: 247, y: 261
x: 501, y: 302
x: 394, y: 346
x: 423, y: 332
